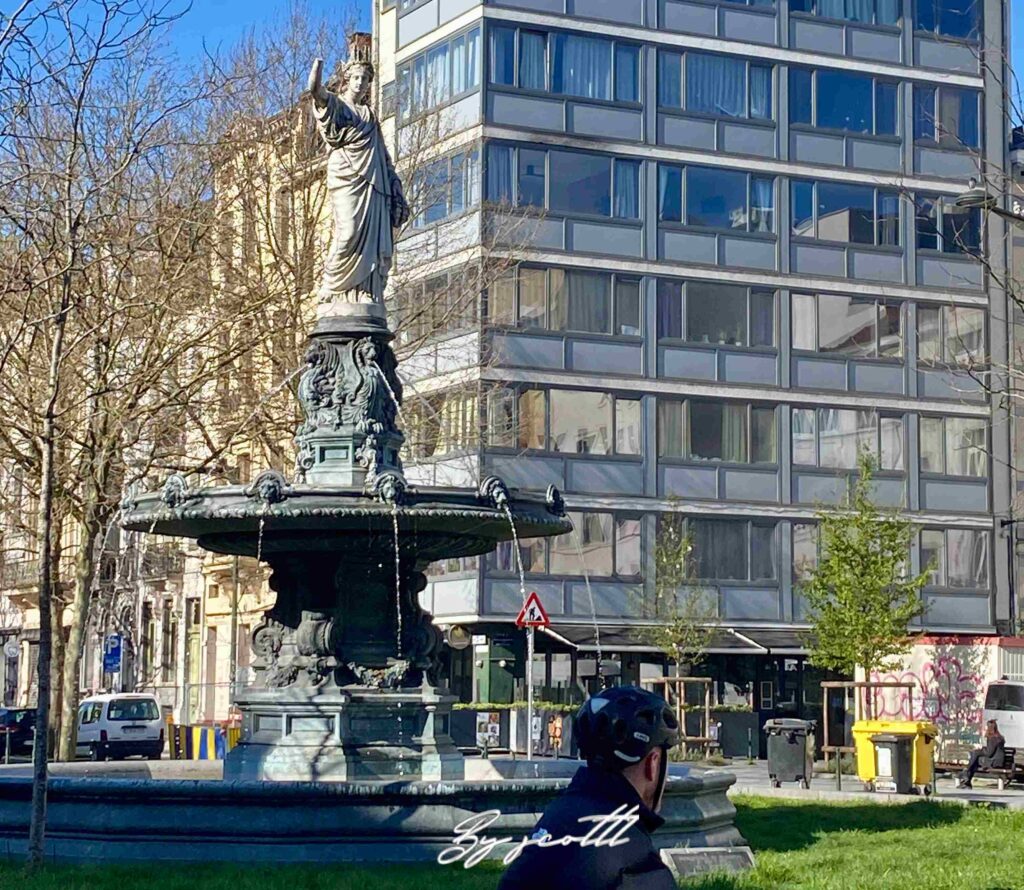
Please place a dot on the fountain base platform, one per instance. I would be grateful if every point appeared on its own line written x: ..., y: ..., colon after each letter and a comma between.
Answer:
x: 112, y: 820
x: 346, y: 734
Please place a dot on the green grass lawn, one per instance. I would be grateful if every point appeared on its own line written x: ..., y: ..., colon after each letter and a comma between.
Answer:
x: 807, y: 845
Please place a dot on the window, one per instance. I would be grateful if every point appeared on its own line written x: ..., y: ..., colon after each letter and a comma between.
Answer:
x: 566, y: 300
x: 841, y: 100
x: 715, y: 198
x: 950, y: 18
x: 701, y: 312
x: 434, y: 307
x: 565, y: 421
x: 578, y: 183
x: 566, y: 64
x: 610, y: 545
x: 954, y: 446
x: 953, y: 335
x: 947, y: 115
x: 388, y: 104
x: 941, y: 225
x: 720, y: 85
x: 446, y: 188
x: 957, y: 557
x: 440, y: 424
x: 805, y: 550
x: 442, y: 73
x: 834, y: 437
x: 878, y: 12
x: 731, y: 549
x: 461, y: 565
x: 133, y: 709
x: 720, y: 431
x: 858, y: 327
x: 851, y: 214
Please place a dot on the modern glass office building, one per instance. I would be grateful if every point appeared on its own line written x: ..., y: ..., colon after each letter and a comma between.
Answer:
x: 741, y: 264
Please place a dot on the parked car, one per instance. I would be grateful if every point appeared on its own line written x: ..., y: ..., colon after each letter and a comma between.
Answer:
x: 23, y: 723
x: 1004, y: 703
x: 119, y: 725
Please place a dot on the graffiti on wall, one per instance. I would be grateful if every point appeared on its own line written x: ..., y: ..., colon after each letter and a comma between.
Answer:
x: 949, y: 690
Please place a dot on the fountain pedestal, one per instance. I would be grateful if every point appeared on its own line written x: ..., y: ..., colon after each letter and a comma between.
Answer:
x: 346, y: 734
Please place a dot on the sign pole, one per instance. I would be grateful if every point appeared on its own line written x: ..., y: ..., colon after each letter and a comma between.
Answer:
x: 529, y: 692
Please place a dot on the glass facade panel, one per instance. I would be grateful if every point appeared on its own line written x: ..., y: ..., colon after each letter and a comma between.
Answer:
x: 891, y: 443
x: 716, y: 85
x: 581, y: 422
x: 716, y: 198
x: 720, y: 549
x: 846, y: 213
x: 580, y: 183
x: 581, y: 66
x: 627, y: 545
x: 533, y: 64
x: 805, y: 451
x: 531, y: 177
x: 716, y: 313
x: 627, y: 73
x: 762, y: 318
x: 762, y: 435
x: 844, y: 101
x: 532, y: 309
x: 805, y: 550
x: 671, y: 432
x: 966, y: 558
x: 933, y: 556
x: 531, y: 420
x: 931, y: 445
x: 763, y: 553
x: 966, y: 453
x: 628, y: 426
x: 627, y: 307
x: 804, y: 322
x: 503, y: 55
x: 670, y: 81
x: 670, y: 193
x: 718, y: 431
x: 581, y: 301
x: 501, y: 299
x: 846, y: 325
x: 670, y: 309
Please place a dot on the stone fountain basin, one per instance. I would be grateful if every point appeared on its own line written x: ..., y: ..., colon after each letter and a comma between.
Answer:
x: 433, y: 523
x: 103, y: 819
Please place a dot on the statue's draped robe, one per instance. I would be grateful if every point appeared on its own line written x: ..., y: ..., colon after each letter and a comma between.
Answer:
x: 360, y: 181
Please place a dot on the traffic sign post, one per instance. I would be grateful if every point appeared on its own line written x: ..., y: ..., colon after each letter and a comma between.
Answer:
x: 531, y: 616
x: 112, y: 654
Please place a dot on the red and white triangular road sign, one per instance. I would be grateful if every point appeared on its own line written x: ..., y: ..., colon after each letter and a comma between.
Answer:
x: 532, y: 614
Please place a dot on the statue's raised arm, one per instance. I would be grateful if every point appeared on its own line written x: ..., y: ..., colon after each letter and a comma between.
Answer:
x: 365, y: 193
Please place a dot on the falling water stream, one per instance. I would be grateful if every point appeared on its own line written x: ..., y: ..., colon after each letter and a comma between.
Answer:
x: 398, y: 575
x: 515, y: 546
x: 590, y: 596
x: 259, y: 538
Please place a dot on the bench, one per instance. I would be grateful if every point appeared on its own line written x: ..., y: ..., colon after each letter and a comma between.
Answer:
x: 1005, y: 773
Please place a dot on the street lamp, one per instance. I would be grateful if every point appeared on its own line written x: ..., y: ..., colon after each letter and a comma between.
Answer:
x: 978, y: 196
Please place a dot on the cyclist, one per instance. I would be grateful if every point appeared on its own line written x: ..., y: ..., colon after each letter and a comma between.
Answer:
x: 624, y: 734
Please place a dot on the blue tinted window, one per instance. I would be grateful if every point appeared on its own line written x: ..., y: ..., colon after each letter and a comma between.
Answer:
x: 926, y: 223
x: 499, y: 174
x: 844, y: 101
x: 887, y: 224
x: 670, y: 193
x: 802, y: 199
x: 716, y: 198
x: 531, y: 177
x: 961, y: 228
x: 952, y: 18
x: 627, y: 189
x: 846, y: 213
x: 924, y: 112
x: 532, y: 60
x: 627, y: 72
x: 503, y: 56
x: 947, y: 115
x: 885, y: 108
x: 582, y: 66
x: 760, y: 92
x: 580, y: 183
x: 801, y: 110
x: 716, y: 85
x: 670, y: 82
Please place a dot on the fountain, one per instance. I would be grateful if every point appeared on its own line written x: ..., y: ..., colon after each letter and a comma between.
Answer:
x: 345, y: 751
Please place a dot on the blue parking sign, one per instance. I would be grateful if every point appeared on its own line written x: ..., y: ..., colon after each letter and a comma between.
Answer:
x: 112, y: 654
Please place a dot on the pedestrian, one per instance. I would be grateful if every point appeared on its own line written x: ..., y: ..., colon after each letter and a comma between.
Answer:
x: 992, y: 755
x: 624, y: 734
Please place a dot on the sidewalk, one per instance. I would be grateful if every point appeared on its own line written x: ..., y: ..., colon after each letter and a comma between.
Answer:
x: 753, y: 779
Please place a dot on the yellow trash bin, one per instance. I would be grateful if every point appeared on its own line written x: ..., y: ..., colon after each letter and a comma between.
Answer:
x: 924, y: 734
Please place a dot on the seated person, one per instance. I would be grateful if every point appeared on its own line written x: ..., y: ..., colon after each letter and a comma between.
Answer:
x: 992, y: 755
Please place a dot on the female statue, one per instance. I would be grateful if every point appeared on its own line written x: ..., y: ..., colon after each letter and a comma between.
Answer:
x: 365, y: 192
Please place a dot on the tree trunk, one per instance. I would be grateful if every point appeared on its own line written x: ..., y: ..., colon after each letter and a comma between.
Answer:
x: 85, y: 567
x: 57, y: 651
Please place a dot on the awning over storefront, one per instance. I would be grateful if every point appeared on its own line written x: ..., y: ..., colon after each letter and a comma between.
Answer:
x: 724, y: 641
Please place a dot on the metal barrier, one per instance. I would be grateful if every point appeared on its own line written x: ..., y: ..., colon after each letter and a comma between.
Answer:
x: 202, y: 742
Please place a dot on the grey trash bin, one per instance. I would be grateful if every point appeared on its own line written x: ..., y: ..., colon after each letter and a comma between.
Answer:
x: 894, y: 754
x: 790, y: 751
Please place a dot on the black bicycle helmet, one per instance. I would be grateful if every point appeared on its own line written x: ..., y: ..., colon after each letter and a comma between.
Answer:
x: 621, y: 725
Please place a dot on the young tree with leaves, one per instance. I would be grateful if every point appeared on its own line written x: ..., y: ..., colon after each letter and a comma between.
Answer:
x: 861, y: 596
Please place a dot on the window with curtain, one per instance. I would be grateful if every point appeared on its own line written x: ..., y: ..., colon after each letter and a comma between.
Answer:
x: 950, y: 18
x: 877, y: 12
x: 843, y: 100
x: 581, y: 66
x: 533, y: 63
x: 953, y: 335
x: 724, y: 86
x: 834, y: 437
x: 735, y: 432
x: 852, y: 214
x: 954, y: 446
x: 715, y: 313
x: 715, y: 198
x: 733, y: 549
x: 956, y: 557
x: 446, y: 187
x: 567, y: 182
x: 447, y: 71
x: 940, y: 225
x: 858, y: 327
x: 947, y: 115
x: 566, y: 300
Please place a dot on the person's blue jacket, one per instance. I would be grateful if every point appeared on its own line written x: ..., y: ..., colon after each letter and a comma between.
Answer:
x: 635, y: 865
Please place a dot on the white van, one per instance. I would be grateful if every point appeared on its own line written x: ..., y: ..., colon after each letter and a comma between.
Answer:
x: 1004, y: 703
x: 119, y: 725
